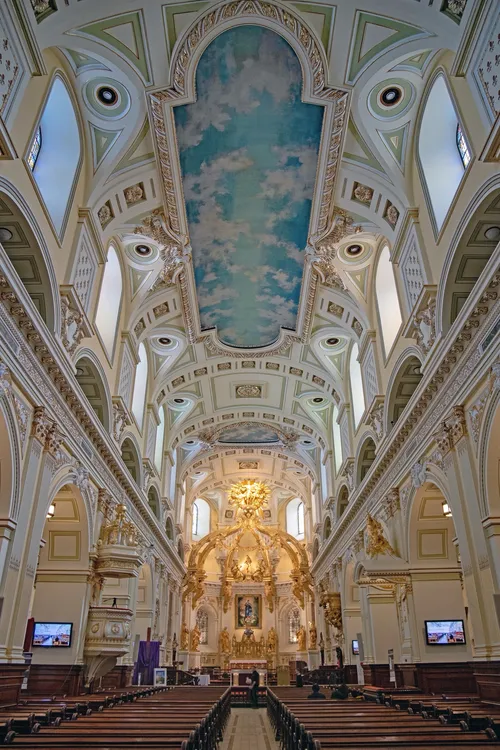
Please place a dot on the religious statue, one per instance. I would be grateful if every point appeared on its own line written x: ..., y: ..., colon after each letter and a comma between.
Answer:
x: 246, y: 567
x: 272, y: 641
x: 313, y: 636
x: 224, y: 642
x: 260, y: 571
x: 226, y: 595
x: 269, y: 594
x: 301, y: 639
x: 236, y: 572
x: 322, y: 649
x: 184, y: 637
x: 340, y: 657
x: 175, y: 646
x: 195, y: 638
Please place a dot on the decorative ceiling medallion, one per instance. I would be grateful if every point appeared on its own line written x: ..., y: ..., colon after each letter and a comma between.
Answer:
x: 391, y: 98
x: 292, y: 28
x: 355, y: 253
x: 141, y: 253
x: 106, y: 98
x: 248, y: 391
x: 248, y: 465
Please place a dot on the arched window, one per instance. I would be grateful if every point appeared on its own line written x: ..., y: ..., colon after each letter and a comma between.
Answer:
x: 201, y: 518
x: 160, y: 434
x: 293, y: 625
x: 202, y: 622
x: 442, y: 159
x: 140, y: 385
x: 295, y: 518
x: 54, y: 153
x: 358, y: 397
x: 337, y: 441
x: 108, y: 307
x: 169, y: 529
x: 387, y: 300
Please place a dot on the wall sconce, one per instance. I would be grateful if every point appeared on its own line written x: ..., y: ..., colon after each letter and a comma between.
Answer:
x: 51, y: 511
x: 446, y: 509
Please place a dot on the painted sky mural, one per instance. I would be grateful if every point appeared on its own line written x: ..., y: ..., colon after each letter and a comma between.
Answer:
x: 248, y: 434
x: 248, y: 150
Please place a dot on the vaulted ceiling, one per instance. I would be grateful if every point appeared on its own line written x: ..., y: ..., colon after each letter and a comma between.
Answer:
x: 248, y: 125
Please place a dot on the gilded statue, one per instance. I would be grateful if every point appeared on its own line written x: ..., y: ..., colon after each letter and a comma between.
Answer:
x: 224, y: 642
x: 272, y: 641
x: 313, y: 636
x: 226, y: 595
x: 301, y: 639
x: 184, y: 637
x: 269, y: 592
x: 376, y: 544
x: 195, y: 638
x: 260, y: 571
x: 236, y: 572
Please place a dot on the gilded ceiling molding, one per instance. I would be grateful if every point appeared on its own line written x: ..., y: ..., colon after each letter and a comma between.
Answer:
x: 188, y: 50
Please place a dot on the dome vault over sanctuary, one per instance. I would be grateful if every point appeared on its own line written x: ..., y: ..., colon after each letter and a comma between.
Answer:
x: 249, y: 338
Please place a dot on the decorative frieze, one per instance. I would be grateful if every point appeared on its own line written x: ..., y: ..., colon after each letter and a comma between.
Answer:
x: 418, y: 474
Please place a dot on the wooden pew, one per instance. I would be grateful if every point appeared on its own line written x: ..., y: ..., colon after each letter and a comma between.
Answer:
x: 180, y: 718
x: 358, y: 724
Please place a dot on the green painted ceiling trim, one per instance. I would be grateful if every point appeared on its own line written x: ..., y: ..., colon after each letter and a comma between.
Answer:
x: 80, y: 62
x: 137, y: 279
x: 369, y: 159
x: 415, y: 63
x: 100, y: 31
x: 402, y: 32
x: 337, y: 361
x: 396, y: 141
x: 169, y: 13
x: 328, y: 13
x: 128, y: 160
x: 102, y: 143
x: 359, y: 279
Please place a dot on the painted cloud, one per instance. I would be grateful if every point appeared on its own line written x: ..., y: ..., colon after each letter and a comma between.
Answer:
x: 247, y: 434
x: 248, y: 149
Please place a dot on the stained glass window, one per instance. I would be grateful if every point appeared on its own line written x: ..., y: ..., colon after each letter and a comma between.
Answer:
x: 202, y: 622
x: 463, y: 149
x: 196, y: 516
x: 35, y: 149
x: 293, y: 625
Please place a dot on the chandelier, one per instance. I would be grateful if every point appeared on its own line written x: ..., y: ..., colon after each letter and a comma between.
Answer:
x: 249, y: 496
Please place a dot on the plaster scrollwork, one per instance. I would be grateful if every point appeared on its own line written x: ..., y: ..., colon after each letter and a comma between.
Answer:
x: 418, y: 473
x: 120, y: 418
x: 495, y: 376
x: 348, y: 473
x: 5, y: 380
x: 325, y: 252
x: 22, y: 415
x: 148, y: 473
x: 73, y: 327
x: 174, y: 256
x: 375, y: 418
x: 476, y: 412
x: 391, y: 504
x: 81, y: 477
x: 422, y: 326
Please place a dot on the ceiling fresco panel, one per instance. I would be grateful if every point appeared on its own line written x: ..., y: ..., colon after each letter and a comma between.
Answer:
x: 248, y: 151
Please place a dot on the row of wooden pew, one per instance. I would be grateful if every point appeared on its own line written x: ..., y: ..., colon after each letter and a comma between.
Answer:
x: 184, y: 718
x: 357, y: 724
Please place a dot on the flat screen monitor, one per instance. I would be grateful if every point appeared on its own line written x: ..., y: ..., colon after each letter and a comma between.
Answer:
x: 444, y: 632
x: 52, y: 634
x: 355, y: 648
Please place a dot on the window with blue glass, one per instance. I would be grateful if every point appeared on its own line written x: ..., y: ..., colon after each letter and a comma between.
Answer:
x: 463, y: 149
x: 35, y: 149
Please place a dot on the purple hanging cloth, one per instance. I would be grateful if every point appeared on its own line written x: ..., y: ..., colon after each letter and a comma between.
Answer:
x: 147, y: 661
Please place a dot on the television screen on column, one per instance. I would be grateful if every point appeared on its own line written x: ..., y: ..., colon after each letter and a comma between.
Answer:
x: 444, y: 632
x: 52, y: 634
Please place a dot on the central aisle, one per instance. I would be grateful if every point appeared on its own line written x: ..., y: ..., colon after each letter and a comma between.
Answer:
x: 249, y: 729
